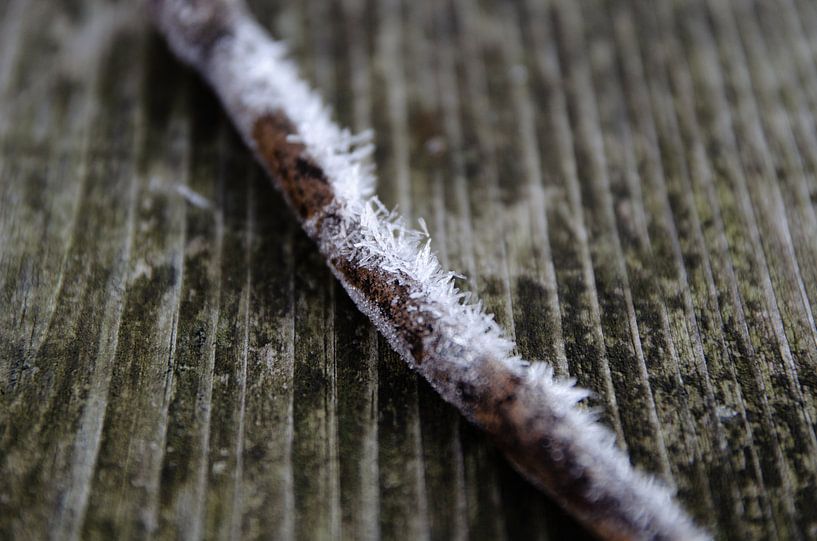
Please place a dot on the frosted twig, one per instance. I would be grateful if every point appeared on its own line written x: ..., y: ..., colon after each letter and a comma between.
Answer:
x: 392, y: 275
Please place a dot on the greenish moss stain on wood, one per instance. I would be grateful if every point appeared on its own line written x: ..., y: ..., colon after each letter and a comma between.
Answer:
x: 141, y: 376
x: 792, y: 430
x: 185, y: 463
x: 699, y: 446
x: 628, y: 185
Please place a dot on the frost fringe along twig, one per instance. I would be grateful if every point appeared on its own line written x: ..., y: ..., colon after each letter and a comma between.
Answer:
x: 392, y: 275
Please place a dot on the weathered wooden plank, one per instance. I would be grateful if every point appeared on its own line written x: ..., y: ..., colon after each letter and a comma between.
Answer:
x: 753, y: 280
x: 52, y: 411
x: 694, y: 220
x: 629, y: 186
x: 660, y: 234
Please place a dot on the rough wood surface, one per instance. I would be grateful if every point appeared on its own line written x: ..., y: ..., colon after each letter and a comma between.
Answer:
x: 629, y: 185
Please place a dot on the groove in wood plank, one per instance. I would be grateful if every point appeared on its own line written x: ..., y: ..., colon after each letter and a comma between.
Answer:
x: 788, y: 162
x: 536, y: 302
x: 268, y: 497
x: 622, y: 343
x: 314, y: 432
x: 43, y: 165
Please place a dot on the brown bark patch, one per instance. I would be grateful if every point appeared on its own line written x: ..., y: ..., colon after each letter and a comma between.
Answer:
x: 522, y: 429
x: 299, y: 177
x: 392, y: 297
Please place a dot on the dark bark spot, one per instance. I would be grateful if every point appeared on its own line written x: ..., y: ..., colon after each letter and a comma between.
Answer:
x: 410, y: 322
x: 303, y: 182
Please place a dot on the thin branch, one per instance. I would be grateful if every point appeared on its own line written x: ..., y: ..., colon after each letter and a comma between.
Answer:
x: 394, y: 278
